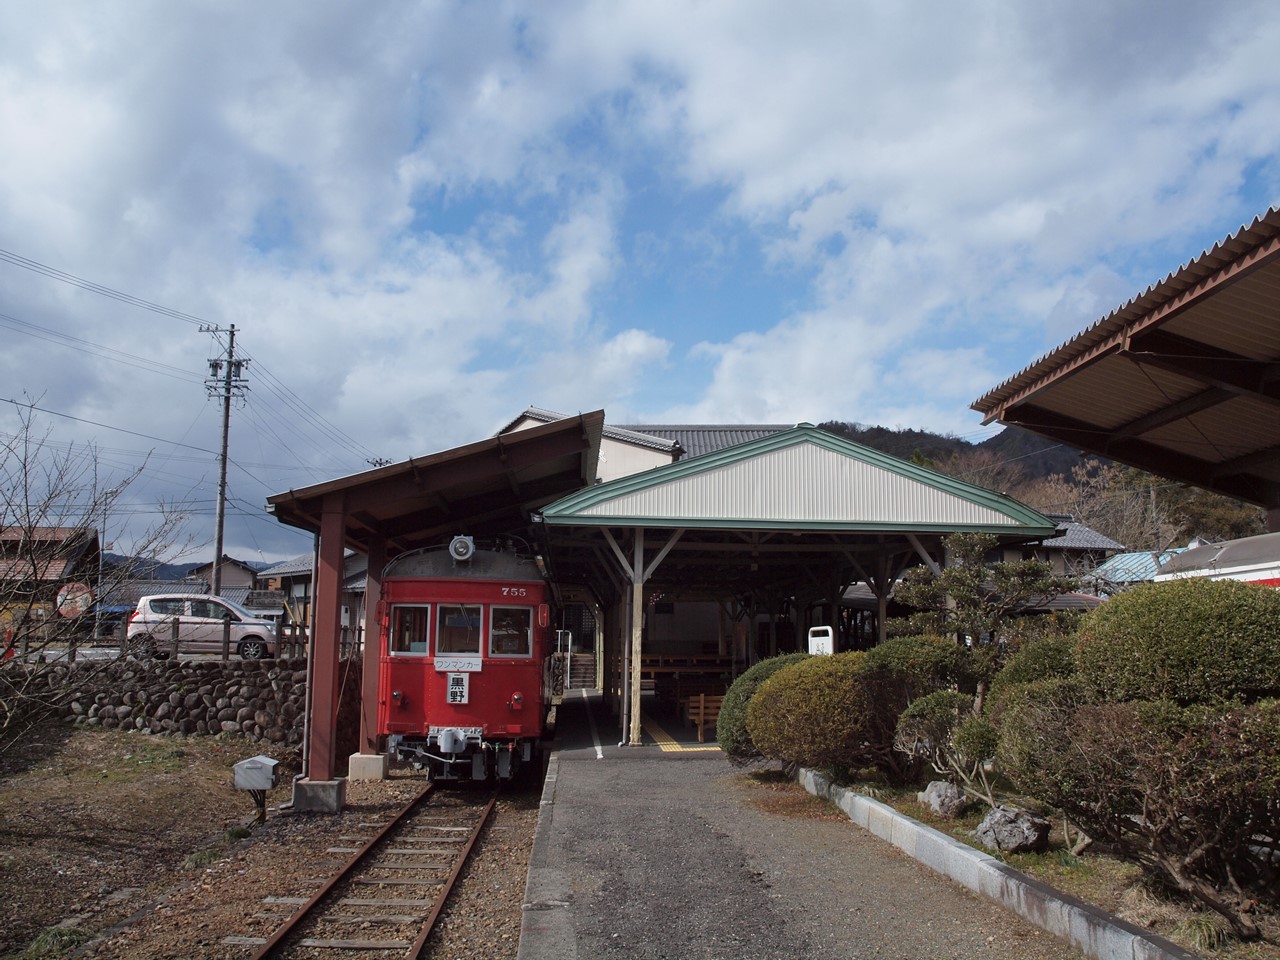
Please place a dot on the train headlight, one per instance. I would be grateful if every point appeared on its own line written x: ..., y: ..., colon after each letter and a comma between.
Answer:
x: 517, y: 701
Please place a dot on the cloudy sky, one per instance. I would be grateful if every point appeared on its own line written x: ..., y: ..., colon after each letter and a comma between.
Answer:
x: 422, y: 218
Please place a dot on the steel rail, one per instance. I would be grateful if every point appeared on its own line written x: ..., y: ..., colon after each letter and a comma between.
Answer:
x: 268, y: 948
x: 459, y: 862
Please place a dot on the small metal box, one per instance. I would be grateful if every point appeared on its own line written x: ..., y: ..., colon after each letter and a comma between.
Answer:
x: 256, y: 773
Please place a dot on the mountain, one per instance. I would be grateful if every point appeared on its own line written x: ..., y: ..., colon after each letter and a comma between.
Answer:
x: 1036, y: 456
x: 149, y: 569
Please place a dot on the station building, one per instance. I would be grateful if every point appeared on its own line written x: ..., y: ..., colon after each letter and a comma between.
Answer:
x: 676, y: 563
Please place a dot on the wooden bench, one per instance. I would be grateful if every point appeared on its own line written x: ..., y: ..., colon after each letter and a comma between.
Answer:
x: 677, y: 689
x: 702, y: 711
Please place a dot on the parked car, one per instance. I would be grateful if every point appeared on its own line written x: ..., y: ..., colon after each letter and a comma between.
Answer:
x: 199, y: 619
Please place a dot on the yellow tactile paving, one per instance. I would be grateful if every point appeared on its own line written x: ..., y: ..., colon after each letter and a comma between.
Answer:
x: 668, y: 744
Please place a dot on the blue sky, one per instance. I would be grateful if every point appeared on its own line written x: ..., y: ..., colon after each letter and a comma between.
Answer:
x: 423, y: 219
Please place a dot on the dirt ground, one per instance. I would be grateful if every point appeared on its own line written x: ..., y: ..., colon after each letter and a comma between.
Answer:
x: 124, y: 845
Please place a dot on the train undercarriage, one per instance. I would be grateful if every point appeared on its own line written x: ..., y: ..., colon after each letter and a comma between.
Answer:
x: 455, y: 753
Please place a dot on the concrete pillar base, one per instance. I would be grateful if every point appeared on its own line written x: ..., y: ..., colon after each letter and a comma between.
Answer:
x: 368, y: 766
x: 319, y: 796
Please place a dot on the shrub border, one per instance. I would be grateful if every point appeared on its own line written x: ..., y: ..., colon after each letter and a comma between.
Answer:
x: 1098, y: 934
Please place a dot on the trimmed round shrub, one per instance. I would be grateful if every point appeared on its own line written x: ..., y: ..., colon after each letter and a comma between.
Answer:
x: 974, y: 740
x: 921, y: 664
x: 1034, y: 748
x: 925, y: 727
x: 1188, y: 641
x: 1045, y: 658
x: 821, y: 713
x: 731, y: 725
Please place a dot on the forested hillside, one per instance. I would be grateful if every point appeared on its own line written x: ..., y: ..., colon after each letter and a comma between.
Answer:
x: 1138, y: 509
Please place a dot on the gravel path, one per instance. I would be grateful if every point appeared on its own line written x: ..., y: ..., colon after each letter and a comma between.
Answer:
x: 672, y: 856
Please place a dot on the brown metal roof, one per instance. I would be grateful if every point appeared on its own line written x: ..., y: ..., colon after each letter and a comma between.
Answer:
x: 47, y: 553
x: 1182, y: 381
x: 487, y: 488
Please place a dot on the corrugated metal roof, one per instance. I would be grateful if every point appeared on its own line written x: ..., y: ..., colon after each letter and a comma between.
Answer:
x: 802, y: 478
x: 697, y: 439
x: 487, y: 488
x: 1176, y: 284
x: 1128, y: 568
x: 1183, y: 380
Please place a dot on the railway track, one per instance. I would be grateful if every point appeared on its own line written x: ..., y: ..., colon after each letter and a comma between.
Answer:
x: 386, y: 898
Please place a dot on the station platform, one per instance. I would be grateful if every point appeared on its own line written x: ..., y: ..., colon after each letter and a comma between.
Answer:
x: 665, y: 850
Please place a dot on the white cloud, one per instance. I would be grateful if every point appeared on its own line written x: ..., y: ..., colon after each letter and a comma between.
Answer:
x: 420, y: 217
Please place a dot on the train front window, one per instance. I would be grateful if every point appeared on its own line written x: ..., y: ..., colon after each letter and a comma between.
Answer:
x: 511, y: 632
x: 459, y: 629
x: 410, y: 627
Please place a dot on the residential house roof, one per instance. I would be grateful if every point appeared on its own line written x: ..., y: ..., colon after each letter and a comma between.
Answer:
x: 1126, y: 569
x: 696, y: 439
x: 46, y: 553
x: 226, y: 561
x: 1076, y: 536
x: 1252, y: 555
x: 290, y: 568
x: 124, y: 596
x: 621, y: 434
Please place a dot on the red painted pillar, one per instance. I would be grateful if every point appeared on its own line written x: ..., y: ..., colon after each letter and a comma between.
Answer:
x: 372, y: 647
x: 327, y: 634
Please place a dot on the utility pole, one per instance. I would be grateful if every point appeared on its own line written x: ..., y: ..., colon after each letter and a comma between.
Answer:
x: 224, y: 381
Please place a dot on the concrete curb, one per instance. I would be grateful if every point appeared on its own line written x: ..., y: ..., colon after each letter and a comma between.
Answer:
x: 1096, y: 933
x: 546, y: 928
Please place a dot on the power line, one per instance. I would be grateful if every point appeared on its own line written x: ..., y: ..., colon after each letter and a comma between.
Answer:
x: 291, y: 400
x: 77, y: 343
x: 104, y: 426
x: 45, y: 270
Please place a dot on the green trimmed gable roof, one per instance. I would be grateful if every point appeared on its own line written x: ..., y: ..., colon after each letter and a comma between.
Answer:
x: 801, y: 479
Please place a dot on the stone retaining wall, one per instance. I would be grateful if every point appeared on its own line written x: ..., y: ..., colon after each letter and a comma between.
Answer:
x: 263, y: 700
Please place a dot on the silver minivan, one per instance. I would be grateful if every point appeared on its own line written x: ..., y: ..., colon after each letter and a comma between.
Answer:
x: 199, y: 619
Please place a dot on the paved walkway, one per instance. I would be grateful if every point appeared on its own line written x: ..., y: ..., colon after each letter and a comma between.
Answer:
x: 661, y: 852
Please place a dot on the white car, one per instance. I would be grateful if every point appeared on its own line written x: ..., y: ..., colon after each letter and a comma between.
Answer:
x: 199, y: 619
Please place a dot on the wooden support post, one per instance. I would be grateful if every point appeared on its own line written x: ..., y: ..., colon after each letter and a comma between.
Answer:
x: 327, y: 632
x: 371, y: 660
x: 634, y: 736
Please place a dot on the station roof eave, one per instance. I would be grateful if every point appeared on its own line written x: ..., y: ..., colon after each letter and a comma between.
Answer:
x: 1182, y: 381
x: 779, y: 508
x: 486, y: 488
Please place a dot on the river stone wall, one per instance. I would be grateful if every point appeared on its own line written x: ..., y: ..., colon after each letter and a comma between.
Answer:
x: 263, y: 700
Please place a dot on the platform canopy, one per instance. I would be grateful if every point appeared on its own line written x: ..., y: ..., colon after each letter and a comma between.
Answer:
x: 1183, y: 381
x: 487, y: 488
x: 795, y: 507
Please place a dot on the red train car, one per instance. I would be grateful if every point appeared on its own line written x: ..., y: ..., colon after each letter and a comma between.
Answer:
x: 467, y: 675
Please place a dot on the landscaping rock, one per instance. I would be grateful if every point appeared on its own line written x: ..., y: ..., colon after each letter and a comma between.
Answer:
x: 944, y: 798
x: 1013, y: 831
